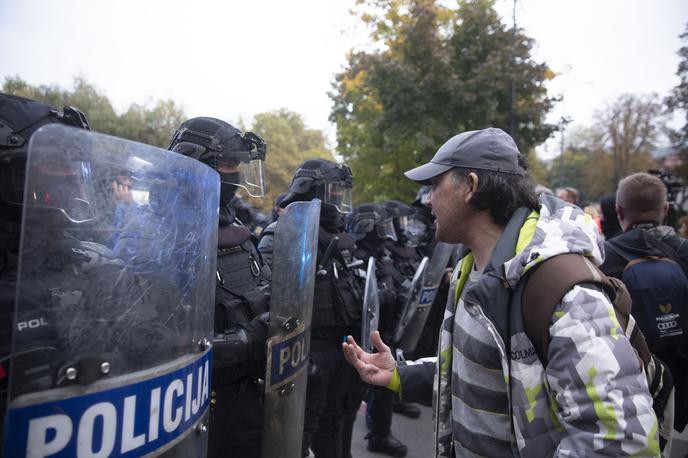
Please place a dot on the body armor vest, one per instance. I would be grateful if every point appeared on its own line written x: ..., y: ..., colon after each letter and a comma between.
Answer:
x: 241, y: 279
x: 338, y: 297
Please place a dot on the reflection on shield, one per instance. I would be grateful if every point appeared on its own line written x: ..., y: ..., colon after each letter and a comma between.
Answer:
x: 291, y: 307
x: 371, y: 307
x: 114, y: 299
x: 423, y: 290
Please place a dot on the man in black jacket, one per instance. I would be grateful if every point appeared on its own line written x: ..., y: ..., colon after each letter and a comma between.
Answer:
x: 641, y: 205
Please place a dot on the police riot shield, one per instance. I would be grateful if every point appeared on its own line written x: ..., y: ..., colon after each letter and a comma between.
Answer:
x: 410, y: 330
x: 370, y: 317
x: 114, y: 301
x: 289, y: 332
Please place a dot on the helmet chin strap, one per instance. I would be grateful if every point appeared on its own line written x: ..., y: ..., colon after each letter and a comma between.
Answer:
x: 228, y: 190
x: 330, y: 218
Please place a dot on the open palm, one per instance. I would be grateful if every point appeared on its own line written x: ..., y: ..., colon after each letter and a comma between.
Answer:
x: 374, y: 368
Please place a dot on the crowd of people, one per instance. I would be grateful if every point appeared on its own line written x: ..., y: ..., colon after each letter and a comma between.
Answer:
x: 583, y: 384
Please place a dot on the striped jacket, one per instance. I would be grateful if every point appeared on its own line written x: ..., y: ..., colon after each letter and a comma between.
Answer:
x: 591, y: 399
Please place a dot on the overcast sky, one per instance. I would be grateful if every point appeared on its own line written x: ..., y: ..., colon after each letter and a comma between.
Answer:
x: 233, y: 59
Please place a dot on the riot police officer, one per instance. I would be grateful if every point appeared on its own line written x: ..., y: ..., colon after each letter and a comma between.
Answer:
x: 19, y: 119
x: 242, y: 286
x: 337, y: 301
x: 427, y: 344
x: 88, y: 320
x: 372, y: 226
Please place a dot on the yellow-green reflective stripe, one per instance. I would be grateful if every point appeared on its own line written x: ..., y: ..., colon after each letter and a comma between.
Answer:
x: 395, y: 383
x: 466, y: 266
x: 531, y: 394
x: 614, y: 332
x: 525, y: 235
x: 652, y: 443
x: 604, y: 413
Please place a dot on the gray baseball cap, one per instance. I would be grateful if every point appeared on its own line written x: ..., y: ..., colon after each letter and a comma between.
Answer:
x: 486, y: 149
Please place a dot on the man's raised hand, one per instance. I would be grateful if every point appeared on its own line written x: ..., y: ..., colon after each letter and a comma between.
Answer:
x: 374, y: 368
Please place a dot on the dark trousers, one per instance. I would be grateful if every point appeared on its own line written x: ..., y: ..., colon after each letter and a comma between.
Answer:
x: 236, y: 422
x: 325, y: 398
x: 355, y: 395
x: 380, y: 401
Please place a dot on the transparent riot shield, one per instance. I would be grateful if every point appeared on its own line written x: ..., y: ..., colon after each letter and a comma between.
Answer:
x: 288, y: 345
x: 370, y: 317
x: 115, y: 300
x: 411, y: 302
x: 418, y: 312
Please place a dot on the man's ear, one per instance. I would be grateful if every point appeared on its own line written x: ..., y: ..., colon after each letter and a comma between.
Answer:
x: 472, y: 183
x: 620, y: 216
x: 665, y: 210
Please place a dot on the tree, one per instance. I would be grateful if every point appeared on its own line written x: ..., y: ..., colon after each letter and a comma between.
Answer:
x: 678, y: 100
x: 629, y: 127
x: 153, y: 123
x: 589, y: 163
x: 290, y: 143
x: 437, y: 72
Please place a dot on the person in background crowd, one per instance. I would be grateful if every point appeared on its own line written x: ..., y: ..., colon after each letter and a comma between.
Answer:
x: 592, y: 211
x: 610, y: 223
x: 683, y: 227
x: 653, y: 263
x: 569, y: 195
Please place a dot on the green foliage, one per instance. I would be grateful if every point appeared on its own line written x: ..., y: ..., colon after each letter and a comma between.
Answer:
x: 289, y: 144
x: 591, y: 162
x: 438, y: 72
x: 289, y: 141
x: 678, y: 101
x: 153, y: 123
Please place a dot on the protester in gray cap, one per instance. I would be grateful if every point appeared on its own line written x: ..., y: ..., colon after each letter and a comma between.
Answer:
x: 496, y: 395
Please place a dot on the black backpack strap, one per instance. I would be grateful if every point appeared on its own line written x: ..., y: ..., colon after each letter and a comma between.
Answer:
x: 545, y: 286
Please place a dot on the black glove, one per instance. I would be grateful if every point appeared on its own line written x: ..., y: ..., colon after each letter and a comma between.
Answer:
x: 245, y: 341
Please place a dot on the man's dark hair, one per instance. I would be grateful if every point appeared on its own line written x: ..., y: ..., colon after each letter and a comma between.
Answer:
x: 500, y: 193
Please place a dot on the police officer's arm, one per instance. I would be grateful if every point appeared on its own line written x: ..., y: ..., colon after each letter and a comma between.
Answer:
x: 243, y: 342
x: 266, y: 245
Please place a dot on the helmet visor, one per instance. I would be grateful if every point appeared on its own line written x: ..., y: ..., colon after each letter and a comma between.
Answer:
x: 63, y: 185
x: 248, y: 175
x: 336, y: 194
x: 385, y: 229
x: 413, y: 229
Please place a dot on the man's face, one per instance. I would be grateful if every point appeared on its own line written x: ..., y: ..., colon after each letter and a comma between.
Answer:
x: 448, y: 203
x: 227, y: 165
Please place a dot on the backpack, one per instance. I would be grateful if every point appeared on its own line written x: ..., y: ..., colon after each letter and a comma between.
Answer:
x: 560, y: 274
x: 658, y: 286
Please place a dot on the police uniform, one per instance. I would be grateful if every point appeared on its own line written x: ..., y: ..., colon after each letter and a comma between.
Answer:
x: 242, y: 288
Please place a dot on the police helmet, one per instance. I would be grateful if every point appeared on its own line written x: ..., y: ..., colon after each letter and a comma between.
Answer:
x: 372, y: 219
x: 411, y: 229
x: 238, y: 157
x: 19, y: 119
x: 423, y: 196
x: 321, y: 179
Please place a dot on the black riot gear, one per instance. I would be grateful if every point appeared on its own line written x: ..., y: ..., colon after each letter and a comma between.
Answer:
x: 242, y: 287
x: 19, y: 119
x: 372, y: 221
x: 322, y: 179
x: 412, y: 229
x: 238, y: 157
x: 337, y: 304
